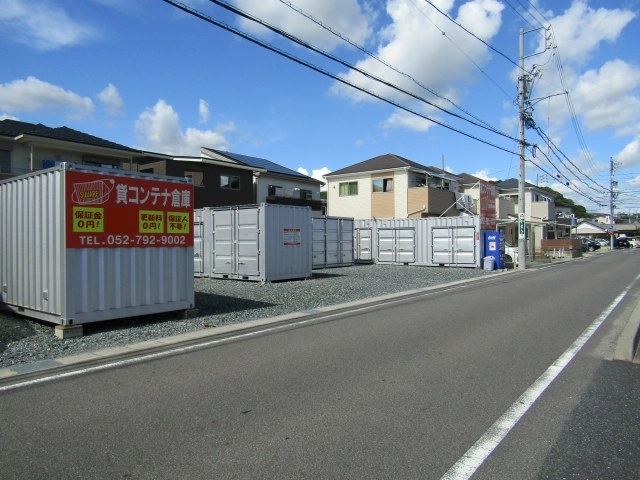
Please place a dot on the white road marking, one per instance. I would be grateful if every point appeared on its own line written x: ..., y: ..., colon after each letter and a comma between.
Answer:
x: 467, y: 465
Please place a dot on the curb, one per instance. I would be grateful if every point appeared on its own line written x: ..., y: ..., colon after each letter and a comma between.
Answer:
x: 627, y: 343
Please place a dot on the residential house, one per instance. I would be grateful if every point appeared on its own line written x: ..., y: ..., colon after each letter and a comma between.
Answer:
x: 539, y: 210
x: 274, y: 183
x: 220, y: 178
x: 390, y: 186
x: 216, y: 184
x: 25, y: 147
x: 224, y: 179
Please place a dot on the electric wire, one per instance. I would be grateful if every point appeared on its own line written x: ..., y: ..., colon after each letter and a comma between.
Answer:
x: 336, y: 59
x: 519, y: 14
x: 224, y: 26
x: 383, y: 62
x: 491, y: 47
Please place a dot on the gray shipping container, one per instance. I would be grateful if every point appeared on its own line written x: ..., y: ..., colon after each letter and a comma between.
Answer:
x: 446, y: 241
x: 81, y: 244
x: 265, y: 242
x: 332, y: 241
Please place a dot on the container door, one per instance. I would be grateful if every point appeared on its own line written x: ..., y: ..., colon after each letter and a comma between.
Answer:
x: 198, y: 249
x: 396, y: 245
x: 223, y: 242
x: 248, y: 232
x: 318, y: 242
x: 442, y: 245
x: 405, y: 245
x: 464, y: 245
x: 386, y: 245
x: 332, y: 239
x: 363, y: 244
x: 346, y: 241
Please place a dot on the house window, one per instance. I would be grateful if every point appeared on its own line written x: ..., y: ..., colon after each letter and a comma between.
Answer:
x: 348, y: 188
x: 196, y: 177
x: 101, y: 164
x: 420, y: 181
x: 230, y: 181
x: 274, y: 190
x: 383, y: 185
x: 306, y: 194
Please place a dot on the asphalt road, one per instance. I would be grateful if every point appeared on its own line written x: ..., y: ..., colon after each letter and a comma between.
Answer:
x: 398, y: 390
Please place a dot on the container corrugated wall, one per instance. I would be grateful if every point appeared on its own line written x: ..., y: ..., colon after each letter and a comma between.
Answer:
x: 265, y: 242
x: 447, y: 241
x: 332, y: 241
x: 44, y: 275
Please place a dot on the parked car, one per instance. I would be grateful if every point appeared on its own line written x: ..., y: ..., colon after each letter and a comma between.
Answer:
x: 634, y: 242
x: 604, y: 242
x: 510, y: 254
x: 621, y: 242
x: 589, y: 245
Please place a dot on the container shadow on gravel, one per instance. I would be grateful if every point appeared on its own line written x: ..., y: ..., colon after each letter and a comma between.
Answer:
x: 13, y: 329
x: 207, y: 304
x: 214, y: 304
x: 321, y: 275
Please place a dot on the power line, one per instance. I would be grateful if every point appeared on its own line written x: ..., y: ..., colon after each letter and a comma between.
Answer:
x: 509, y: 59
x: 336, y: 59
x: 383, y: 62
x: 318, y: 69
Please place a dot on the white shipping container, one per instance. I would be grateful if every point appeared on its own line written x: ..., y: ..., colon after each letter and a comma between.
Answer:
x: 332, y: 241
x: 81, y: 244
x: 265, y: 242
x: 446, y: 241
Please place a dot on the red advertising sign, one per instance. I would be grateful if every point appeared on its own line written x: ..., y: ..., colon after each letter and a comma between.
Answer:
x: 487, y: 206
x: 109, y: 211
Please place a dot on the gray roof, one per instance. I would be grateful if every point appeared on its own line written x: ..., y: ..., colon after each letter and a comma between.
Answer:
x: 468, y: 179
x: 14, y: 128
x: 513, y: 184
x: 388, y: 161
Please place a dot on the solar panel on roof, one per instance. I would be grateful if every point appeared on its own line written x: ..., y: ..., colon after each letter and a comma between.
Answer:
x: 262, y: 163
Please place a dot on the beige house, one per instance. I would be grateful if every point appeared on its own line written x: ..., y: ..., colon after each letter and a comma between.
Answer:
x: 390, y: 186
x: 539, y: 210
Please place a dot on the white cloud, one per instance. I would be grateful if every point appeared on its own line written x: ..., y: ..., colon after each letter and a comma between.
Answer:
x: 630, y: 154
x: 159, y: 129
x: 33, y: 95
x: 484, y: 175
x: 41, y: 25
x: 111, y: 99
x: 404, y: 119
x: 580, y: 30
x: 203, y: 109
x: 344, y: 16
x: 414, y: 40
x: 318, y: 174
x: 607, y: 97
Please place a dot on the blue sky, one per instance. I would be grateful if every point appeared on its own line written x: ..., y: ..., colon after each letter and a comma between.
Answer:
x: 148, y: 75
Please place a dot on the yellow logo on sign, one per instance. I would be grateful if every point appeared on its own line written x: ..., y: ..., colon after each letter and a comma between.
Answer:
x: 150, y: 221
x: 88, y: 219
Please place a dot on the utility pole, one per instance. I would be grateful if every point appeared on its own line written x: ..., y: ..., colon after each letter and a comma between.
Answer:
x: 522, y: 228
x: 612, y: 197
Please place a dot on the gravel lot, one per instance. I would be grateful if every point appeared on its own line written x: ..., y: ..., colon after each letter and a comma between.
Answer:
x: 222, y: 302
